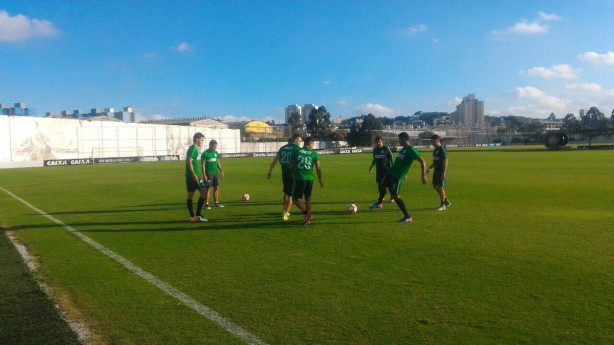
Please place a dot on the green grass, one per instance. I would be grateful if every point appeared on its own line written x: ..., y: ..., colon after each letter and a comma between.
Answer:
x: 27, y: 316
x: 523, y: 256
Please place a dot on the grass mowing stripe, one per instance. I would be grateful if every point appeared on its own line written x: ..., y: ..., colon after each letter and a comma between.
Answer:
x: 203, y: 310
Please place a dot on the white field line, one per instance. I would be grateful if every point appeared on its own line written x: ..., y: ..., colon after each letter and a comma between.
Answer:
x: 190, y: 302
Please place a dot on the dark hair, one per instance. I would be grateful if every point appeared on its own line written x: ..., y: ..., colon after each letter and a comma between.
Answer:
x: 378, y: 138
x: 308, y: 141
x: 435, y: 137
x: 295, y: 136
x: 404, y: 136
x: 212, y: 142
x: 197, y: 135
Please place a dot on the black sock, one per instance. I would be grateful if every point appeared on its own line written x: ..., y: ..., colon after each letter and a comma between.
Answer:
x: 381, y: 197
x: 401, y: 205
x: 199, y: 206
x: 190, y: 208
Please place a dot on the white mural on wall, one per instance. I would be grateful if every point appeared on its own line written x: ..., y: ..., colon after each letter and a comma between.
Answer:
x: 35, y: 139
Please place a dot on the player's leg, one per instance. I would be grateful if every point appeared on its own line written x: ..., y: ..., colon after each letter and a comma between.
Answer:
x: 191, y: 187
x: 307, y: 212
x: 395, y: 189
x: 287, y: 190
x: 201, y: 202
x: 381, y: 186
x: 297, y: 194
x: 215, y: 183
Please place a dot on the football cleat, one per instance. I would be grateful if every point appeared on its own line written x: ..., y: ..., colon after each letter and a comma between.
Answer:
x: 201, y: 219
x: 286, y: 216
x: 375, y: 206
x: 193, y: 219
x: 307, y: 219
x: 217, y: 204
x: 207, y: 207
x: 441, y: 208
x: 406, y: 220
x: 447, y: 203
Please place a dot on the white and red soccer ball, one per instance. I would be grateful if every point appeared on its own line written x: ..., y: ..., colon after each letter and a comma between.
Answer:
x: 245, y: 197
x: 352, y: 208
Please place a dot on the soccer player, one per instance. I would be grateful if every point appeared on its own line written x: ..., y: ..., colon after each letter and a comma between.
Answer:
x: 283, y: 156
x: 192, y: 177
x: 382, y: 160
x: 396, y: 174
x: 211, y: 173
x: 301, y: 164
x: 440, y: 162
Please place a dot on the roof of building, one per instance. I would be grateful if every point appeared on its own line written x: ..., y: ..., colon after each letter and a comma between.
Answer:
x: 257, y: 127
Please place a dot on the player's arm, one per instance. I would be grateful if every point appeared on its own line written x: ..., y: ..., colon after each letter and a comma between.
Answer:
x: 428, y: 170
x: 189, y: 161
x: 219, y: 166
x: 423, y: 167
x: 319, y: 172
x: 204, y: 170
x: 275, y: 160
x: 445, y: 169
x: 372, y: 165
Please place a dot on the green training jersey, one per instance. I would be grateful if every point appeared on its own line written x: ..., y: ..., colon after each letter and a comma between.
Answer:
x: 192, y: 153
x: 285, y: 155
x: 439, y: 156
x: 382, y: 159
x: 304, y: 158
x: 401, y: 165
x: 210, y: 159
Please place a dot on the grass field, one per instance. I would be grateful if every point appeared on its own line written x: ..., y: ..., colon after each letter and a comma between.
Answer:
x: 525, y: 254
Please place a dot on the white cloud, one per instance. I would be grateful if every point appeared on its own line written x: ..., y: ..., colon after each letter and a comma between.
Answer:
x: 562, y: 71
x: 184, y: 47
x: 598, y: 59
x: 522, y: 28
x: 416, y: 29
x: 587, y: 87
x: 343, y: 103
x: 375, y: 109
x: 548, y: 17
x: 21, y: 28
x: 525, y: 27
x: 232, y: 118
x: 539, y: 96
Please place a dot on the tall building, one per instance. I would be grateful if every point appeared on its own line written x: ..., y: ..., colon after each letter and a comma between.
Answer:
x: 470, y: 113
x: 581, y: 113
x: 293, y: 108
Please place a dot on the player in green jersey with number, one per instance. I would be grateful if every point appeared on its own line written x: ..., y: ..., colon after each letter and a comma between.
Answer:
x: 193, y: 181
x: 301, y: 164
x: 211, y: 173
x: 283, y: 157
x: 395, y: 175
x: 440, y: 163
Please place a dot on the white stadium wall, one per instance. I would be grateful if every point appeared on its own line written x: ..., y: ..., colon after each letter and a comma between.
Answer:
x: 26, y: 140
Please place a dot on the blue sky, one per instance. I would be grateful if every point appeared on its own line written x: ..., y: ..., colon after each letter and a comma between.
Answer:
x: 250, y: 59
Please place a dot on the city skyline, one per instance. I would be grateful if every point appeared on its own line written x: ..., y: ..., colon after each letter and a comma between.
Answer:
x: 249, y: 60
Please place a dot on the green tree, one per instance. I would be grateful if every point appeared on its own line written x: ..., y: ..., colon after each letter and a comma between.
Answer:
x: 319, y: 124
x: 594, y: 124
x: 571, y: 123
x: 364, y: 135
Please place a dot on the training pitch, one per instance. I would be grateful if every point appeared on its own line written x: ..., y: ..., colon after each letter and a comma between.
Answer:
x: 524, y: 255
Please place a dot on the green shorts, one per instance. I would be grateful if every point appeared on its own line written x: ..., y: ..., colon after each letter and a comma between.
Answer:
x: 437, y: 180
x: 302, y: 188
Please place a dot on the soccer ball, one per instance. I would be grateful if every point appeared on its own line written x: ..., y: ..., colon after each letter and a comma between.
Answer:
x: 245, y: 197
x: 352, y: 208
